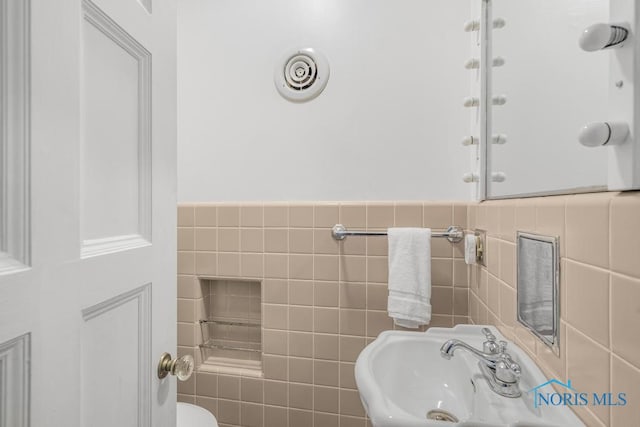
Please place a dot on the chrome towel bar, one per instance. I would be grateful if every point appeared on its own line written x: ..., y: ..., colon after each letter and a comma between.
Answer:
x: 454, y: 233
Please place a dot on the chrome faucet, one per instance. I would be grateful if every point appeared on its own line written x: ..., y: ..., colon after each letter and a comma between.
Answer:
x: 498, y: 367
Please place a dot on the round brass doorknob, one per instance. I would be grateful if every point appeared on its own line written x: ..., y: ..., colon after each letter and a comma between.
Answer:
x: 181, y: 367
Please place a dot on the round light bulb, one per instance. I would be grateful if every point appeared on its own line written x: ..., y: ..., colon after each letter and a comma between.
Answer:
x: 603, y: 133
x: 601, y: 36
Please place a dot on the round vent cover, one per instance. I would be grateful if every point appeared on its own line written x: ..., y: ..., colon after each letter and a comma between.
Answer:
x: 302, y: 74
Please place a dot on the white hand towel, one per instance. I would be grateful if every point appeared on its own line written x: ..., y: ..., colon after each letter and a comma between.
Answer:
x: 409, y: 301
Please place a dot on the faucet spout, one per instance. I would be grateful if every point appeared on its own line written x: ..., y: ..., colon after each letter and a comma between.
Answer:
x: 500, y: 370
x: 448, y: 349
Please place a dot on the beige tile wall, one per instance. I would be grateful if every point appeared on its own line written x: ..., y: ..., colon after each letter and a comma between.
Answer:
x: 600, y: 290
x: 323, y: 301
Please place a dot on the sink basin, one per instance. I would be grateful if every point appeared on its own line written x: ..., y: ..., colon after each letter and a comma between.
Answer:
x: 403, y: 382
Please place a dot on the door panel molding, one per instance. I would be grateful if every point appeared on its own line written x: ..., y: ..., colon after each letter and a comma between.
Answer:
x: 15, y: 243
x: 141, y: 297
x: 94, y: 16
x: 15, y: 381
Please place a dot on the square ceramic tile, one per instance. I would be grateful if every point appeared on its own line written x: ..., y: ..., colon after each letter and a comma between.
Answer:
x: 408, y: 215
x: 377, y: 322
x: 625, y: 379
x: 353, y: 269
x: 437, y: 216
x: 228, y: 216
x: 251, y: 389
x: 326, y: 294
x: 350, y: 347
x: 301, y: 344
x: 205, y: 216
x: 301, y: 241
x: 350, y: 403
x: 587, y: 230
x: 207, y: 384
x: 587, y: 300
x: 186, y: 239
x: 301, y: 292
x: 353, y: 295
x: 625, y: 234
x: 251, y: 240
x: 377, y: 297
x: 301, y: 216
x: 326, y: 373
x: 251, y: 216
x: 276, y: 240
x: 326, y: 267
x: 625, y: 316
x: 353, y: 215
x: 276, y: 215
x: 275, y: 416
x: 326, y: 215
x: 228, y: 239
x: 442, y: 272
x: 251, y: 414
x: 275, y: 342
x: 300, y: 370
x: 583, y: 355
x: 379, y: 215
x: 300, y: 396
x: 276, y: 393
x: 186, y: 215
x: 352, y: 322
x: 326, y: 320
x: 326, y: 346
x: 550, y: 218
x: 276, y: 291
x: 324, y: 243
x: 326, y: 399
x: 300, y: 318
x: 442, y: 300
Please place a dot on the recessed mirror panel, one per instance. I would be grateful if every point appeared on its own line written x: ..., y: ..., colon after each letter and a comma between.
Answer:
x: 545, y: 89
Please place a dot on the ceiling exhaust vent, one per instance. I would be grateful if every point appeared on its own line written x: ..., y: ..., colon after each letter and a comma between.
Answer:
x: 302, y: 74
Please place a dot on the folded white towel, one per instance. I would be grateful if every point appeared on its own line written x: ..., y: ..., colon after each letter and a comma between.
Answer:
x: 409, y: 301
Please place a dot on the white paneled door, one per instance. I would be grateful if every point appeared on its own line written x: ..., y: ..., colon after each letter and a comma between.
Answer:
x: 87, y: 212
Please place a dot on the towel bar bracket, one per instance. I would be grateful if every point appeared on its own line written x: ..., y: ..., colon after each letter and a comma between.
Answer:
x: 454, y: 233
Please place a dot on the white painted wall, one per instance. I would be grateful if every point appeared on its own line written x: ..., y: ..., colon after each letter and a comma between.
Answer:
x: 387, y: 126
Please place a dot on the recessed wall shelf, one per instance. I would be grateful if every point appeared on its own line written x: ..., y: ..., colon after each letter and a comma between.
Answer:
x: 231, y: 326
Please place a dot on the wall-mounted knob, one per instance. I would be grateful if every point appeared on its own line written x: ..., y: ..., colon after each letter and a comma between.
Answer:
x: 499, y: 100
x: 471, y: 101
x: 499, y: 23
x: 603, y: 133
x: 499, y: 139
x: 470, y: 140
x: 472, y: 63
x: 181, y: 367
x: 474, y: 25
x: 470, y: 177
x: 470, y: 26
x: 602, y: 36
x: 498, y: 177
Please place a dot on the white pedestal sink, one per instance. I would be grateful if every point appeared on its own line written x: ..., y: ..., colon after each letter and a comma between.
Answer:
x: 404, y: 382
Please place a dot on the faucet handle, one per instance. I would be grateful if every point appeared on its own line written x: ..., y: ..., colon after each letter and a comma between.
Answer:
x: 508, y: 371
x: 508, y: 362
x: 488, y: 334
x: 489, y: 346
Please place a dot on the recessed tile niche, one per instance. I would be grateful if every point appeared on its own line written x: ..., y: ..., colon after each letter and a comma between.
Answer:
x: 231, y: 324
